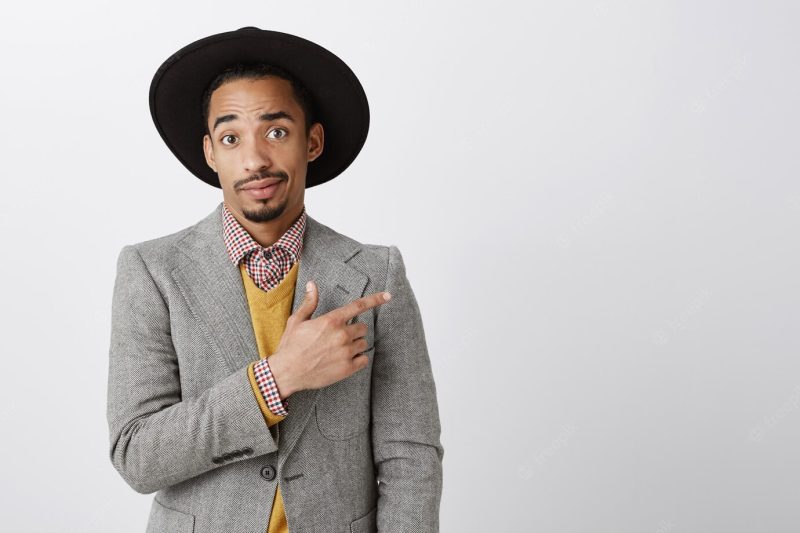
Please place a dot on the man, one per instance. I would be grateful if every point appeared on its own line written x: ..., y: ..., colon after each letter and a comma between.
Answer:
x: 267, y: 373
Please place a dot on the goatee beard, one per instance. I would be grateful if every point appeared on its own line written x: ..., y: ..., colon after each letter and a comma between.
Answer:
x: 264, y: 213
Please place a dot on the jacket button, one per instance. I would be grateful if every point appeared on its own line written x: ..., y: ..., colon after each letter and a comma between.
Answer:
x: 268, y: 472
x: 247, y: 451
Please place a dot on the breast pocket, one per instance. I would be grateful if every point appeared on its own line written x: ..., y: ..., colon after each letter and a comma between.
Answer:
x: 166, y: 520
x: 343, y: 408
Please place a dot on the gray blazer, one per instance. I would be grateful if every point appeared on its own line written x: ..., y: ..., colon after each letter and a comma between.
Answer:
x: 360, y: 455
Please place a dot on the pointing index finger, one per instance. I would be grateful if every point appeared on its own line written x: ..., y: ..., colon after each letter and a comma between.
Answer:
x: 352, y: 309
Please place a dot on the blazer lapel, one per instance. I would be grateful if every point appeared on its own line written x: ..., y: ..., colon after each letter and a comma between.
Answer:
x: 212, y: 286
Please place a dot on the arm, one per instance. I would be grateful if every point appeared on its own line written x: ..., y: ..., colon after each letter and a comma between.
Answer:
x: 405, y: 417
x: 158, y: 439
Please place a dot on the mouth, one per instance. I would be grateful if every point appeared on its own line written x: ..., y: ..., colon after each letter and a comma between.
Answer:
x: 260, y: 184
x: 261, y: 189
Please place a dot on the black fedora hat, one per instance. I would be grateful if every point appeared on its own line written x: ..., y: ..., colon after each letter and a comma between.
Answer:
x: 339, y: 99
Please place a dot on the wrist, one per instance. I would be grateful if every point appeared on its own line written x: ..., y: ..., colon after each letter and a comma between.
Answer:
x: 282, y: 376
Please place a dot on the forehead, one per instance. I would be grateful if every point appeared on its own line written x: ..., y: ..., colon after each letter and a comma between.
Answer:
x: 244, y: 94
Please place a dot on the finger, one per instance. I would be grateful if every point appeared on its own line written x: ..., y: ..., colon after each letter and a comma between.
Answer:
x: 360, y: 361
x: 357, y: 330
x: 309, y: 304
x: 358, y: 306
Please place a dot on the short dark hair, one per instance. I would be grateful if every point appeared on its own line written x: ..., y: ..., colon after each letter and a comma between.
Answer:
x: 257, y: 71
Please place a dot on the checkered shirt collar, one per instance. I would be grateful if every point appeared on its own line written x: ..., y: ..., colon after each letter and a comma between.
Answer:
x: 240, y: 243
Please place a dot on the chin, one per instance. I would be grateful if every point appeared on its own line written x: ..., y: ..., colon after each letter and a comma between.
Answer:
x: 264, y: 210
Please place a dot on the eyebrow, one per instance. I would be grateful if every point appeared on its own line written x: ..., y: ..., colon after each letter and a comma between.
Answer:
x: 265, y: 117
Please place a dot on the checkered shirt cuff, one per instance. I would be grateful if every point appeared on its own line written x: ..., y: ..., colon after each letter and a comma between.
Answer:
x: 268, y: 388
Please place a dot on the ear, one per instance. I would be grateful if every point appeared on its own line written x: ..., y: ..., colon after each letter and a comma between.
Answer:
x: 208, y: 150
x: 316, y: 141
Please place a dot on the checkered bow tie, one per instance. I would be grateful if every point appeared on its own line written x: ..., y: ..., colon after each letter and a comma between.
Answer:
x: 266, y: 266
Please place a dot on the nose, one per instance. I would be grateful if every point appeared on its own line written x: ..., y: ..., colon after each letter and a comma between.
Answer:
x: 255, y: 156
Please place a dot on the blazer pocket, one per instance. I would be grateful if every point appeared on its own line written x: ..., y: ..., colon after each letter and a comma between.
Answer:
x: 343, y: 408
x: 367, y: 523
x: 166, y: 520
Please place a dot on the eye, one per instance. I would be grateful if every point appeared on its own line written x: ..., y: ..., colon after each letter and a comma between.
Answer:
x: 283, y: 131
x: 225, y: 137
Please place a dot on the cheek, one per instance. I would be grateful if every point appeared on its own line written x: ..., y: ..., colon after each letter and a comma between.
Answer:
x: 298, y: 170
x: 229, y: 167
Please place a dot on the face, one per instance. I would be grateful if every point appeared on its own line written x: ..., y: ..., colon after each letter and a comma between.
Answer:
x: 257, y: 138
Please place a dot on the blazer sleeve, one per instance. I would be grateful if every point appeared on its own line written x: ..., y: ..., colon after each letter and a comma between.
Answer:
x: 405, y: 416
x: 158, y: 439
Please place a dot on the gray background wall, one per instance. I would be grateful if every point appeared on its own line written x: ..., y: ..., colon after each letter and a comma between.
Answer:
x: 597, y: 203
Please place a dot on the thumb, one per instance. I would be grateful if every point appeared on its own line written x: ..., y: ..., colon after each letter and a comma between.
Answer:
x: 309, y: 304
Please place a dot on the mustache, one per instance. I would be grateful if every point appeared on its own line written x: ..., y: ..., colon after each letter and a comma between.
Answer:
x: 261, y: 176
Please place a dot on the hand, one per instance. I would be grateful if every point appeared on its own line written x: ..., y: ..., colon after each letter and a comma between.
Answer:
x: 314, y: 353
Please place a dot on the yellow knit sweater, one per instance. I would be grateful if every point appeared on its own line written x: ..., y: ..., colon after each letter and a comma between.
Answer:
x: 270, y: 310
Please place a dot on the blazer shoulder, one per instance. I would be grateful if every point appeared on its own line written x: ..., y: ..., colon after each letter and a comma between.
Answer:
x: 368, y: 257
x: 158, y: 250
x: 378, y: 253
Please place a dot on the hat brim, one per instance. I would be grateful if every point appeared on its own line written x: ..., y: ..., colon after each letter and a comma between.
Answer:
x: 340, y: 101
